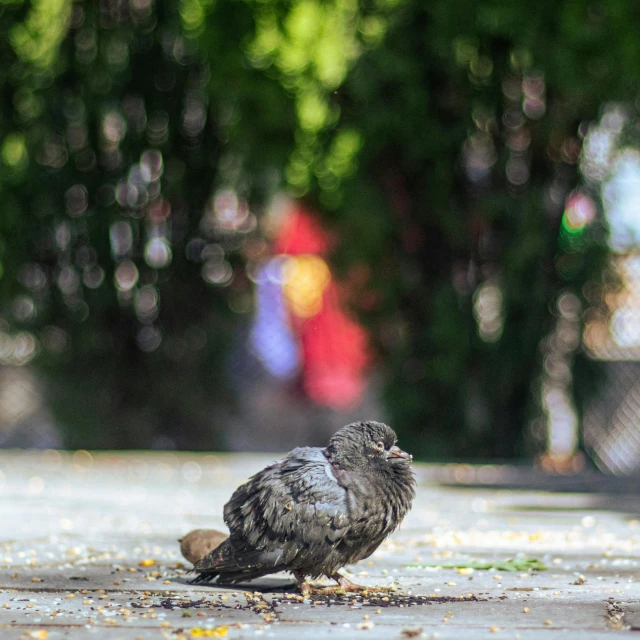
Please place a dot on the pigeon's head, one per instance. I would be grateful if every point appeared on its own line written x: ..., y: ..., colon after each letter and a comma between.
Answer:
x: 363, y: 444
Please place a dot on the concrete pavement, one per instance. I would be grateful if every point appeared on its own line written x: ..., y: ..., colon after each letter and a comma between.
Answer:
x: 88, y: 548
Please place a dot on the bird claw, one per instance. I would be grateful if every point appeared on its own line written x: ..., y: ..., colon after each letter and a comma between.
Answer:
x: 340, y: 589
x: 343, y: 587
x: 347, y: 586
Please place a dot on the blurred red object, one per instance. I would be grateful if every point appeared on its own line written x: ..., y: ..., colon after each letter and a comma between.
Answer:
x: 335, y: 350
x: 301, y: 232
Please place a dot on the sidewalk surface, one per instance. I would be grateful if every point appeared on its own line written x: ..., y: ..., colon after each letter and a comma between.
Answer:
x: 88, y: 549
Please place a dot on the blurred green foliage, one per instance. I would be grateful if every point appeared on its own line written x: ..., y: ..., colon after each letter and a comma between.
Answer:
x: 440, y: 141
x: 116, y: 131
x: 459, y: 133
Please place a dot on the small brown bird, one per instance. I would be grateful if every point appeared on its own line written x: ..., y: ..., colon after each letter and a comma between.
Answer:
x: 317, y: 510
x: 199, y: 542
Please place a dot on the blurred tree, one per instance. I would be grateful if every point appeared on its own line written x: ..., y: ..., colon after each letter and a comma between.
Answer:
x: 125, y: 212
x: 445, y: 152
x: 442, y: 144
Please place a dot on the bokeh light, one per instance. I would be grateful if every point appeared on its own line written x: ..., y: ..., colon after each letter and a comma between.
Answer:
x: 272, y: 338
x: 621, y: 199
x: 304, y: 280
x: 488, y: 311
x: 580, y: 211
x: 126, y: 275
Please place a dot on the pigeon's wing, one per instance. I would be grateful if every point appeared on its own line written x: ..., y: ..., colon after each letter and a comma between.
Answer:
x: 294, y: 506
x: 299, y: 497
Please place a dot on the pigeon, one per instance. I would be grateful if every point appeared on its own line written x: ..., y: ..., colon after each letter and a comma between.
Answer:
x: 316, y: 510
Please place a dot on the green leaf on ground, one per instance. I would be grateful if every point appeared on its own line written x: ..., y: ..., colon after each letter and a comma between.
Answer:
x: 511, y: 564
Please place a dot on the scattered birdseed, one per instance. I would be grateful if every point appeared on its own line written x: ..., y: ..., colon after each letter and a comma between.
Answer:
x: 365, y: 625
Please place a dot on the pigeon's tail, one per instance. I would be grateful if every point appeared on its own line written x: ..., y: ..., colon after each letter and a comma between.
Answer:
x: 228, y: 577
x: 224, y: 564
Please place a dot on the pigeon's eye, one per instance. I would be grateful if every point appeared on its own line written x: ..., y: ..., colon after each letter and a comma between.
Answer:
x: 379, y: 446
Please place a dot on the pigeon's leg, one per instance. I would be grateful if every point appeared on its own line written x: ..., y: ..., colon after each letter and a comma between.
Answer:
x: 345, y: 584
x: 303, y: 585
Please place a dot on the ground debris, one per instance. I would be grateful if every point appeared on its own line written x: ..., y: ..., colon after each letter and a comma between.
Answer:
x: 170, y: 603
x: 381, y: 600
x: 615, y: 616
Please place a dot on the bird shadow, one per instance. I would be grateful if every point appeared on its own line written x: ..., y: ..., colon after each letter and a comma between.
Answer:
x: 261, y: 585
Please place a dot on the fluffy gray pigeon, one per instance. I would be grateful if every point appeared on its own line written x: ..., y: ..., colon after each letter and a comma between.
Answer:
x: 316, y: 510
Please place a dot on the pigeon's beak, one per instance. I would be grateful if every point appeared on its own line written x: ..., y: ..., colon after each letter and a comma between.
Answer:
x: 396, y: 453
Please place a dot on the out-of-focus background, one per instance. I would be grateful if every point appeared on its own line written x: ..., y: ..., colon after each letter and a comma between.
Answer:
x: 242, y: 224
